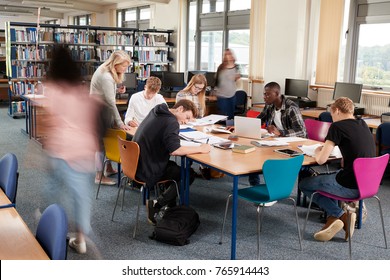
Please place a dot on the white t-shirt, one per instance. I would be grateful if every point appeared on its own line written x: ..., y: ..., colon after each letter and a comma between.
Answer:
x: 139, y: 106
x: 278, y: 119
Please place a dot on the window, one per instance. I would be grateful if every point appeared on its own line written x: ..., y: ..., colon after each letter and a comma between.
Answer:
x: 82, y: 20
x: 138, y: 17
x: 214, y: 25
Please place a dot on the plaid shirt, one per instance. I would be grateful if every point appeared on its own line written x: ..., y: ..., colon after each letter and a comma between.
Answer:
x: 291, y: 118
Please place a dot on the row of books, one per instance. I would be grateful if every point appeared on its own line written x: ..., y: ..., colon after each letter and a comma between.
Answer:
x: 114, y: 38
x: 23, y: 87
x: 23, y: 52
x: 155, y: 56
x: 152, y: 40
x: 80, y: 37
x: 28, y: 70
x: 143, y: 70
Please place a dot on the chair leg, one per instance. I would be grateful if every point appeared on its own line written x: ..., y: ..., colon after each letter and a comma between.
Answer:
x: 307, y: 215
x: 119, y: 174
x: 117, y: 198
x: 296, y: 219
x: 259, y: 214
x: 101, y: 177
x: 139, y: 204
x: 224, y: 217
x: 123, y: 193
x: 349, y: 235
x: 383, y: 223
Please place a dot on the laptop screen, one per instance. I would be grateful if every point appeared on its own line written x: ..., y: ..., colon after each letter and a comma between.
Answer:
x: 247, y: 127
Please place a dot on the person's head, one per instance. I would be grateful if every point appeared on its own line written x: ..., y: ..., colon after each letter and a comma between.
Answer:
x: 342, y: 108
x: 197, y: 85
x: 63, y: 68
x: 184, y: 110
x: 117, y: 65
x: 153, y: 85
x: 271, y: 93
x: 228, y: 56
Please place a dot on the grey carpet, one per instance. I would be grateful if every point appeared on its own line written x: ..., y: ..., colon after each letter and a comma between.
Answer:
x: 113, y: 240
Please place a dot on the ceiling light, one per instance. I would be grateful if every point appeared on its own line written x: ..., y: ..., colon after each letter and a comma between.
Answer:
x: 49, y: 4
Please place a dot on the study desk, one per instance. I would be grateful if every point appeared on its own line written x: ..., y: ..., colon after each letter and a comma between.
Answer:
x: 238, y: 165
x: 16, y: 240
x: 4, y: 200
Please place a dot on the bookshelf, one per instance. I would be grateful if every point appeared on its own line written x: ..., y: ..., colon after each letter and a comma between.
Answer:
x: 152, y: 51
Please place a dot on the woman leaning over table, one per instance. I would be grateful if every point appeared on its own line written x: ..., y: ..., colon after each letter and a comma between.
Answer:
x: 104, y: 84
x: 195, y: 91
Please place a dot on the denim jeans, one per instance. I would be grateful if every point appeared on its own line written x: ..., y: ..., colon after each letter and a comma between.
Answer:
x: 328, y: 184
x: 226, y: 106
x: 72, y: 189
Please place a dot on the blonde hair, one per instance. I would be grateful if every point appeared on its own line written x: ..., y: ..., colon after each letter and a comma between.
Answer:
x: 344, y: 104
x: 153, y: 84
x: 117, y: 57
x: 198, y: 79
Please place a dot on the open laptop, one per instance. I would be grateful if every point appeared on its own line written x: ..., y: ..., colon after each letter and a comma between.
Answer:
x: 247, y: 127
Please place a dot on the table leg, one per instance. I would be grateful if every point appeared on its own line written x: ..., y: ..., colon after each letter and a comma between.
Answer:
x: 234, y: 217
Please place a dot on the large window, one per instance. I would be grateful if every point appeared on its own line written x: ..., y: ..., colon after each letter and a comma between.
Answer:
x: 214, y: 25
x: 138, y: 17
x: 82, y: 20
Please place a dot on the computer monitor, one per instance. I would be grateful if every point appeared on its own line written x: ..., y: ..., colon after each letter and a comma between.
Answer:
x: 192, y: 73
x: 173, y: 80
x: 158, y: 74
x: 296, y: 88
x: 130, y: 80
x: 210, y: 77
x: 350, y: 90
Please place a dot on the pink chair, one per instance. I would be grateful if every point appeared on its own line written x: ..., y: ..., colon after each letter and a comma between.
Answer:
x: 368, y: 173
x: 316, y: 130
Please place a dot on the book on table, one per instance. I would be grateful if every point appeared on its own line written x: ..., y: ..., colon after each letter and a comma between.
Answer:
x: 243, y: 149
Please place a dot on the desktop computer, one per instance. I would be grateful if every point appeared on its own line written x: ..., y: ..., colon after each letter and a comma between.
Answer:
x: 304, y: 103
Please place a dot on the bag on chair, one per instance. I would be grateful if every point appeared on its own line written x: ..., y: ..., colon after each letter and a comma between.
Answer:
x: 176, y: 226
x: 354, y: 207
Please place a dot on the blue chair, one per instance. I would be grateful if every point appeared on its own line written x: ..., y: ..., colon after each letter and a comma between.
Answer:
x: 276, y: 188
x: 9, y: 177
x: 52, y: 232
x: 325, y: 117
x: 383, y: 138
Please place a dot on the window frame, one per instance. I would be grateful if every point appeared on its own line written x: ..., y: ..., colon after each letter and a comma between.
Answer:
x: 138, y: 23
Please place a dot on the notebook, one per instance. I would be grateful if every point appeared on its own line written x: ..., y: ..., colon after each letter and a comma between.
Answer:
x: 247, y: 127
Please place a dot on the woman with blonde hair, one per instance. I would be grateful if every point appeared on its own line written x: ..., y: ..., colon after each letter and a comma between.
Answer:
x: 104, y: 84
x: 195, y: 91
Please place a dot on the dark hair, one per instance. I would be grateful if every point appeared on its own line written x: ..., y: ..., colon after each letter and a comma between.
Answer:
x: 62, y: 66
x: 273, y: 85
x: 187, y: 105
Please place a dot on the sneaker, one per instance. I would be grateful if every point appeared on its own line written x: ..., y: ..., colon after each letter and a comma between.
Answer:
x: 331, y: 228
x: 80, y: 248
x: 352, y: 220
x: 152, y: 211
x: 268, y: 204
x: 110, y: 173
x: 105, y: 181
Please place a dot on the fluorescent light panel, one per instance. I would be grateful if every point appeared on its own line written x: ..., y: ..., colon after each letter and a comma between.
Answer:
x: 49, y: 4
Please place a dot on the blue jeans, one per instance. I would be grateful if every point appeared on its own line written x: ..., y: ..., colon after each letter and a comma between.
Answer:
x: 71, y: 189
x: 328, y: 184
x: 226, y: 106
x: 254, y: 179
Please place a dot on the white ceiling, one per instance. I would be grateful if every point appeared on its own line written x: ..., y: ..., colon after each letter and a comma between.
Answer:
x: 56, y: 8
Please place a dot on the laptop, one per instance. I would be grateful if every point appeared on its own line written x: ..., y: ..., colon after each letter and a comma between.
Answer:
x: 247, y: 127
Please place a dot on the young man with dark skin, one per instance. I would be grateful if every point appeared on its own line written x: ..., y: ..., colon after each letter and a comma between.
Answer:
x: 158, y: 139
x: 281, y: 117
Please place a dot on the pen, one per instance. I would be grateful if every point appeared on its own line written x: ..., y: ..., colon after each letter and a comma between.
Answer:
x: 207, y: 141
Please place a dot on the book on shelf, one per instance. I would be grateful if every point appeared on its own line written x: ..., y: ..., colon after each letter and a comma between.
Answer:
x: 243, y: 149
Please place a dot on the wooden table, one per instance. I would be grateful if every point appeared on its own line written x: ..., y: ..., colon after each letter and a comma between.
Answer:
x: 16, y: 240
x: 238, y: 165
x: 4, y: 200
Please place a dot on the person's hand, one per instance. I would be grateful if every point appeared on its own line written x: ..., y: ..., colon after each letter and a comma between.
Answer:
x: 133, y: 123
x: 318, y: 149
x: 205, y: 148
x: 125, y: 127
x: 273, y: 129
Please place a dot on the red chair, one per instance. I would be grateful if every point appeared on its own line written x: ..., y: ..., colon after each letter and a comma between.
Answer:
x: 252, y: 113
x: 368, y: 173
x: 316, y: 130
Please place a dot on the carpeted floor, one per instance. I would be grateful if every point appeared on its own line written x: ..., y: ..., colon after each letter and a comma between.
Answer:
x: 113, y: 240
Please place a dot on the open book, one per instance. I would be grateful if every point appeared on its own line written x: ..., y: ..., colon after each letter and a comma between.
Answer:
x: 309, y: 150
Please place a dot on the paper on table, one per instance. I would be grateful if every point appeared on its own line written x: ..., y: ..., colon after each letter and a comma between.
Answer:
x: 184, y: 126
x: 309, y: 150
x: 194, y: 135
x: 290, y: 139
x: 208, y: 120
x: 272, y: 143
x: 189, y: 143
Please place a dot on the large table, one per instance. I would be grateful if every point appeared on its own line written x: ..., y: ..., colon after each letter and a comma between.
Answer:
x: 237, y: 165
x: 17, y: 242
x: 4, y: 199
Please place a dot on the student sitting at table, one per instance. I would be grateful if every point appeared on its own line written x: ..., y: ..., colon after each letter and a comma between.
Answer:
x: 195, y: 91
x: 355, y: 140
x: 142, y: 102
x: 281, y: 116
x: 158, y: 139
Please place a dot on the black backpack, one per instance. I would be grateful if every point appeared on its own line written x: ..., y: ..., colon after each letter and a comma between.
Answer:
x: 176, y: 226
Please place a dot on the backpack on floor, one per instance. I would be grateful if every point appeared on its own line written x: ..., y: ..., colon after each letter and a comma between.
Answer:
x: 176, y: 226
